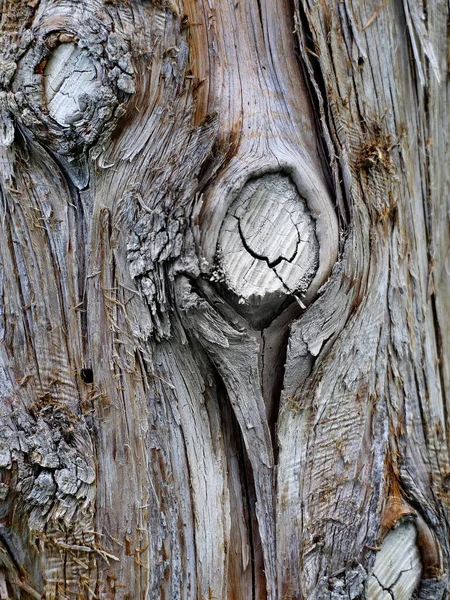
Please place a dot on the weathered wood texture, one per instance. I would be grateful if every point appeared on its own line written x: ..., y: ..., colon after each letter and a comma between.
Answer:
x: 224, y: 300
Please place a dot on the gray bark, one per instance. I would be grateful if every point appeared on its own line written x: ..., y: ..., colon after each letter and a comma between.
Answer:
x: 224, y: 300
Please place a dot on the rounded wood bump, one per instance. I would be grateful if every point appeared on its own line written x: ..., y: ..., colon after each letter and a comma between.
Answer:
x: 68, y: 92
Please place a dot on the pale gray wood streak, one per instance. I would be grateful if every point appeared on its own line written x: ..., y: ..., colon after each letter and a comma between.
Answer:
x: 163, y: 429
x: 235, y: 354
x: 265, y: 118
x: 46, y: 410
x: 383, y: 422
x: 63, y: 308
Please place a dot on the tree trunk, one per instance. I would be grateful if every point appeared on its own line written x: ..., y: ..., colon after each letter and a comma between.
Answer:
x: 224, y: 300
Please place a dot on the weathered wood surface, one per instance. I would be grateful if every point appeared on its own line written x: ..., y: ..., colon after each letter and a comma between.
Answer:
x: 178, y: 422
x: 267, y: 251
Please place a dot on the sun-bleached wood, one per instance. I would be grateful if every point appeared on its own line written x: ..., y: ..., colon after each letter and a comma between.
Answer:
x: 267, y: 250
x: 398, y: 566
x: 69, y: 76
x: 157, y: 438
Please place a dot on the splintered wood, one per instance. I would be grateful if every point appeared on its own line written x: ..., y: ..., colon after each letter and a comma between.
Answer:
x: 71, y: 77
x: 267, y: 245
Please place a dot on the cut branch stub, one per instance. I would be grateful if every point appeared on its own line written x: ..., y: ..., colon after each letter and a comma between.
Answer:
x: 69, y: 92
x: 267, y: 249
x: 398, y: 567
x: 71, y: 77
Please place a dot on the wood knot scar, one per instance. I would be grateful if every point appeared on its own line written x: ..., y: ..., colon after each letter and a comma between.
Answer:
x: 268, y: 250
x: 397, y: 569
x: 71, y: 78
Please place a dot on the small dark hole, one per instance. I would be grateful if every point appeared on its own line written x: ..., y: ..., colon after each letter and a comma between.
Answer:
x: 360, y: 61
x: 87, y: 375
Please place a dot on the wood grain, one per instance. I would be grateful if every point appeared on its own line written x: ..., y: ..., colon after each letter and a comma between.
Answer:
x: 178, y: 421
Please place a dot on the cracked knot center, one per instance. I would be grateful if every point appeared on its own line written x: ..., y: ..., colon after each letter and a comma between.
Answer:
x: 268, y: 249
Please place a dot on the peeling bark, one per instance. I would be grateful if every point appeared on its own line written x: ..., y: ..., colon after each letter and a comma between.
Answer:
x: 224, y: 291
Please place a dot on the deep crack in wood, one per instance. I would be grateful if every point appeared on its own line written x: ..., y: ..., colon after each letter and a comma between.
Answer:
x: 268, y: 250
